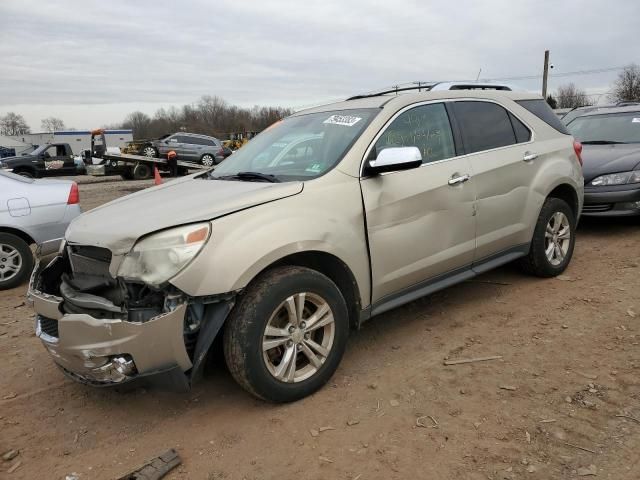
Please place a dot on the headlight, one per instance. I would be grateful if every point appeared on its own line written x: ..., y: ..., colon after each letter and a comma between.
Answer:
x: 159, y: 257
x: 622, y: 178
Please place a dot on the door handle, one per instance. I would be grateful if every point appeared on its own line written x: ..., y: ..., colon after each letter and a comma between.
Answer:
x: 457, y: 179
x: 529, y: 156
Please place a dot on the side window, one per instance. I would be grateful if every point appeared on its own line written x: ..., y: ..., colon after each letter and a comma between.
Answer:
x: 183, y: 139
x: 426, y: 127
x: 484, y: 125
x: 523, y: 134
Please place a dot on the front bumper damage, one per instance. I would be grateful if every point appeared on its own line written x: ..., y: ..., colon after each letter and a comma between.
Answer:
x: 99, y: 342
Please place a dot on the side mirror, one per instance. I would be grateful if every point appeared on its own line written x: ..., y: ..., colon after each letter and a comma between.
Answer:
x: 395, y: 158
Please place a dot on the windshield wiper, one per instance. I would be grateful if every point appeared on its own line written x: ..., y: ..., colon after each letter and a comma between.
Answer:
x: 601, y: 142
x: 249, y: 176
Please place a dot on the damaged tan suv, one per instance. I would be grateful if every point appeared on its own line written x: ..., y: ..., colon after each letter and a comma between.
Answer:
x: 330, y: 217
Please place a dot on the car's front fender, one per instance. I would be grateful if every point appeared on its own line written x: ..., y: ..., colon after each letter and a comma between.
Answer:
x: 326, y: 217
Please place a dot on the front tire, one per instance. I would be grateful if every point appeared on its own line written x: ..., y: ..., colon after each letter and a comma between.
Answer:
x: 26, y: 173
x: 553, y: 240
x: 287, y: 334
x: 208, y: 160
x: 16, y: 261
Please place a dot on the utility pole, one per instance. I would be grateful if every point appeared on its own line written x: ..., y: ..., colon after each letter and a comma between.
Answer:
x: 545, y: 74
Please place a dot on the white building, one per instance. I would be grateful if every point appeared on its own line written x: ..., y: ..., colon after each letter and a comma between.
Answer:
x: 78, y: 140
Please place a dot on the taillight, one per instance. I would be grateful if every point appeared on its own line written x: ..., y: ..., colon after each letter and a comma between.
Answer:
x: 577, y: 147
x: 74, y: 195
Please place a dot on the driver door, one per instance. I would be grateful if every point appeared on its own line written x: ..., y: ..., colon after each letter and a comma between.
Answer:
x: 420, y: 222
x: 55, y: 161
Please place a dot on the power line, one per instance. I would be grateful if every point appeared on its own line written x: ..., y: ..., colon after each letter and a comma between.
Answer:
x: 562, y: 74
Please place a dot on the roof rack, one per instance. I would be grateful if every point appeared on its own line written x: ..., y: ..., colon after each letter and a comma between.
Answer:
x: 426, y: 86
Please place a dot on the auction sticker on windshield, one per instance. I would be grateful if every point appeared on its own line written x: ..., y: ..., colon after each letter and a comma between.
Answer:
x: 635, y: 120
x: 346, y: 120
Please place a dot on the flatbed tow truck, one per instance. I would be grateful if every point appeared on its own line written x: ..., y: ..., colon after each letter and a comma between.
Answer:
x: 101, y: 161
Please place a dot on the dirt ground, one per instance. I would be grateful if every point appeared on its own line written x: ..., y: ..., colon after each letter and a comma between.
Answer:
x: 562, y: 402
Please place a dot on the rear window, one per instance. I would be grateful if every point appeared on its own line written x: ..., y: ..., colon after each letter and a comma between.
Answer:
x: 484, y: 125
x: 542, y: 110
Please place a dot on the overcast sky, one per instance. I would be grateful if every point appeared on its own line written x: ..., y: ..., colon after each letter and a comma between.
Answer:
x: 91, y: 63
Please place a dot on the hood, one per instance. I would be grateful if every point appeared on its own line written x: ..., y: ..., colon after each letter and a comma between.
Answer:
x: 12, y: 160
x: 117, y: 225
x: 602, y: 159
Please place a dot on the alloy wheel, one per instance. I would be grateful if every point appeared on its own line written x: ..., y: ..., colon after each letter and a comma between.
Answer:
x: 207, y: 161
x: 298, y: 337
x: 10, y: 262
x: 557, y: 238
x: 149, y: 152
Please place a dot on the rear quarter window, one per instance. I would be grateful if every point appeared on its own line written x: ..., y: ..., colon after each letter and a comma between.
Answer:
x: 541, y: 109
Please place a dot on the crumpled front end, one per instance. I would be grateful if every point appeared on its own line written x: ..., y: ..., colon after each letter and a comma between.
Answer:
x: 106, y: 331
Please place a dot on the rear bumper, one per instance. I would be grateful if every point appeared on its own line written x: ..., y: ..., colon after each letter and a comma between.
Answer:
x: 614, y: 201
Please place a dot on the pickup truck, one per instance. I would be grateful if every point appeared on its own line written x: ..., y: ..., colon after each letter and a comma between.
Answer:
x: 45, y: 161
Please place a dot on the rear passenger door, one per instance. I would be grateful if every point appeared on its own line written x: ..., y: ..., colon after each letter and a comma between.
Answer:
x: 500, y: 150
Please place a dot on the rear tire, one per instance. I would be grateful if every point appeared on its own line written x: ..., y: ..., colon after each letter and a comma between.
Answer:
x: 553, y: 240
x: 142, y: 171
x: 16, y: 261
x: 270, y: 349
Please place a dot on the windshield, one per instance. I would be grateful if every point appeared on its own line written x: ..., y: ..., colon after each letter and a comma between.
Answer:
x: 39, y: 149
x: 298, y: 148
x: 609, y: 128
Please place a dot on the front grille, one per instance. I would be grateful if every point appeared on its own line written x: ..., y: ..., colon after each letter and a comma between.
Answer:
x: 96, y: 253
x: 48, y: 326
x: 88, y: 260
x: 597, y: 207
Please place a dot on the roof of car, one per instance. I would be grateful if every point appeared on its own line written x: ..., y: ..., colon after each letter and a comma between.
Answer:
x: 195, y: 135
x: 400, y: 100
x: 607, y: 110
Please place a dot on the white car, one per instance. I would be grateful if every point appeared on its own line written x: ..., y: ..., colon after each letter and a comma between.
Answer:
x: 32, y: 212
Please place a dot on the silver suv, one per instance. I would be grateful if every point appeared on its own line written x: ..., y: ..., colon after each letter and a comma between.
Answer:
x: 324, y: 220
x: 190, y: 147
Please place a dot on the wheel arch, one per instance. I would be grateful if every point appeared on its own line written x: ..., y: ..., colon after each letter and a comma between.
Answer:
x: 332, y: 267
x: 18, y: 233
x: 566, y: 192
x: 26, y: 168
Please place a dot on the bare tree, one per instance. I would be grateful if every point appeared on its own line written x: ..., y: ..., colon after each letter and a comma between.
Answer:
x: 570, y: 96
x: 139, y: 122
x: 210, y: 115
x: 627, y: 87
x: 52, y: 124
x: 13, y: 124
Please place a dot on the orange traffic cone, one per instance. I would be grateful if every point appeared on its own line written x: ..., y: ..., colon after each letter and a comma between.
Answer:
x: 157, y: 179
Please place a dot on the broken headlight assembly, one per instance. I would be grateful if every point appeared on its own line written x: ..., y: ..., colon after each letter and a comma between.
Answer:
x: 160, y: 256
